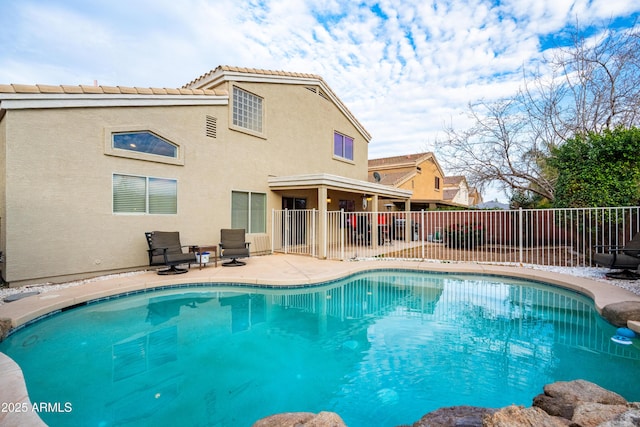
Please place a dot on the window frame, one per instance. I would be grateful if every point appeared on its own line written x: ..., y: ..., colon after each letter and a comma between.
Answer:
x: 261, y: 133
x: 109, y: 149
x: 250, y: 220
x: 343, y: 151
x: 147, y: 194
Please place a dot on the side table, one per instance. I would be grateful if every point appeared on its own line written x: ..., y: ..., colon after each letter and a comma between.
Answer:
x: 213, y: 249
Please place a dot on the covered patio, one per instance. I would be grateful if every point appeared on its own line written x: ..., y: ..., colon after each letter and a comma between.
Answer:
x: 312, y: 196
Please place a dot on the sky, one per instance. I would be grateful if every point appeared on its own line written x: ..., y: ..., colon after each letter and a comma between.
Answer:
x: 405, y: 68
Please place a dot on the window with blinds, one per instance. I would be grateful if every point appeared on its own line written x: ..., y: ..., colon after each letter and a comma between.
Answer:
x: 144, y: 195
x: 249, y: 211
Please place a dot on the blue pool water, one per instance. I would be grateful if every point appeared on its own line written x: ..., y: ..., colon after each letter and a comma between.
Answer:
x: 379, y: 348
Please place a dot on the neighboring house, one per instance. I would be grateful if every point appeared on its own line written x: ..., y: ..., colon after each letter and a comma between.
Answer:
x: 475, y: 198
x: 420, y: 173
x: 86, y: 170
x: 456, y: 190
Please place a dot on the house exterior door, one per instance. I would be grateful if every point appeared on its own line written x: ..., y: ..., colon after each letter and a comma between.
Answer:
x: 294, y: 227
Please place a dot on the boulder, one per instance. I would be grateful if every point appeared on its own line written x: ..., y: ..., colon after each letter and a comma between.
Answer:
x: 619, y: 313
x: 594, y: 414
x: 630, y: 418
x: 561, y: 398
x: 301, y: 419
x: 455, y: 416
x: 5, y: 327
x: 518, y: 416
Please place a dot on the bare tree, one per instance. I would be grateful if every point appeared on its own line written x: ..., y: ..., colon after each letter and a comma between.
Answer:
x: 590, y: 86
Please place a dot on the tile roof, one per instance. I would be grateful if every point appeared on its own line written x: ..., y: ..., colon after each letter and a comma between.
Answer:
x: 88, y: 89
x: 454, y: 180
x: 245, y: 70
x: 398, y: 160
x: 449, y: 194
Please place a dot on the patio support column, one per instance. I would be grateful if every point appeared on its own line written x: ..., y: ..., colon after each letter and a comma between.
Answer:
x: 322, y: 226
x: 374, y: 222
x: 408, y: 229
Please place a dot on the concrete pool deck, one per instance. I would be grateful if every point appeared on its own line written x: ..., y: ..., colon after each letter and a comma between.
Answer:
x: 272, y: 270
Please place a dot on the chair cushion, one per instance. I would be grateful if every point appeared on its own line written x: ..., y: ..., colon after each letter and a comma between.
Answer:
x: 622, y: 261
x: 235, y: 252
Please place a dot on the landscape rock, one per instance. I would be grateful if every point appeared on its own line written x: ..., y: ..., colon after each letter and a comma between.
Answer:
x: 518, y: 416
x: 619, y: 313
x: 576, y: 403
x: 455, y: 416
x: 5, y: 327
x: 562, y: 397
x: 301, y: 419
x: 630, y: 418
x: 594, y: 414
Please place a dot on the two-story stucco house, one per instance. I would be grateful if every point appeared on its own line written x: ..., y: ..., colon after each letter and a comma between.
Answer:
x: 86, y: 170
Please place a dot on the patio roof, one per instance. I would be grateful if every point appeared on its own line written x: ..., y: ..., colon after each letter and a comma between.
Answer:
x: 334, y: 182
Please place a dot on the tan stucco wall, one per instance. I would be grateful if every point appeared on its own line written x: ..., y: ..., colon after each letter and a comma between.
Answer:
x: 59, y: 218
x: 423, y: 182
x: 3, y: 175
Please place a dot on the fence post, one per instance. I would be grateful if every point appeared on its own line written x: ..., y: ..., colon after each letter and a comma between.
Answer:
x: 273, y: 230
x: 313, y: 233
x: 520, y: 232
x: 422, y: 227
x: 342, y: 227
x: 285, y: 216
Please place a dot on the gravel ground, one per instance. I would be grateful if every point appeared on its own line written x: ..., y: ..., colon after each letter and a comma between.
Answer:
x: 594, y: 273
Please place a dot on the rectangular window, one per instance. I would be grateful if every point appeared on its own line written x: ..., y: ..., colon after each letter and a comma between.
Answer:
x: 249, y: 211
x: 247, y: 110
x: 342, y: 146
x: 145, y: 195
x: 437, y: 183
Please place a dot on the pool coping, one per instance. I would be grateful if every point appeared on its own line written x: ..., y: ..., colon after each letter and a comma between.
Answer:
x: 274, y: 271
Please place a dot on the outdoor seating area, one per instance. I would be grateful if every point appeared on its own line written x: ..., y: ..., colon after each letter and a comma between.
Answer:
x: 621, y: 259
x: 165, y: 249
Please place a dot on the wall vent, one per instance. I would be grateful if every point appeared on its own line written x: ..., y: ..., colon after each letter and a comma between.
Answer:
x: 311, y: 88
x: 322, y: 94
x: 211, y: 126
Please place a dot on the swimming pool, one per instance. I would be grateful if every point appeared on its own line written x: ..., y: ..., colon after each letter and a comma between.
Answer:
x: 379, y: 348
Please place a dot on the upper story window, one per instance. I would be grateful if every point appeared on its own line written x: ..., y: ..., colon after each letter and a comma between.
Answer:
x: 144, y: 142
x: 437, y: 183
x: 247, y: 110
x: 342, y: 146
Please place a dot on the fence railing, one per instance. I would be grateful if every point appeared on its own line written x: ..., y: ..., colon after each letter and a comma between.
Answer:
x: 559, y: 237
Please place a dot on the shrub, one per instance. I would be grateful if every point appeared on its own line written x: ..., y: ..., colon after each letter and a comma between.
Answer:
x: 465, y: 236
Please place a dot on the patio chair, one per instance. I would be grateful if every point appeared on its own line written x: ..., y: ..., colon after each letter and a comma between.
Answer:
x: 165, y: 249
x: 624, y: 258
x: 233, y: 246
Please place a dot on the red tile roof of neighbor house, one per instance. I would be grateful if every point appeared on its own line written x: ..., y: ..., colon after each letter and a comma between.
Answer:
x: 454, y: 180
x: 408, y: 159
